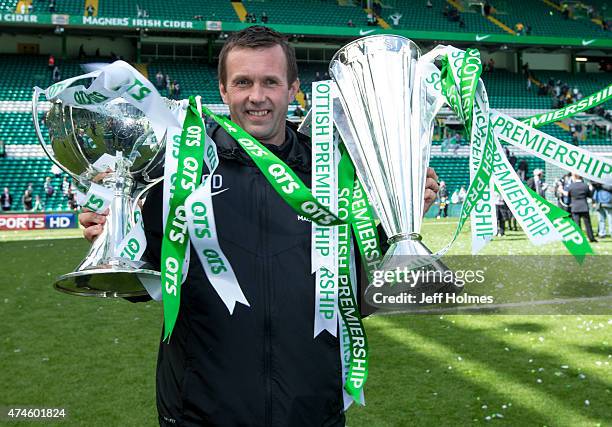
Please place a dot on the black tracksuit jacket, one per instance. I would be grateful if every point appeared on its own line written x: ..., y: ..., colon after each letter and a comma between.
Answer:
x: 261, y: 365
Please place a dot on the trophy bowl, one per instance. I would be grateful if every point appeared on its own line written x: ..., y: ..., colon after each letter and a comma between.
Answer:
x: 115, y: 147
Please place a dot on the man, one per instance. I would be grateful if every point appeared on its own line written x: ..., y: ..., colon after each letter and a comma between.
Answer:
x: 537, y: 184
x: 261, y: 365
x: 603, y: 202
x: 578, y: 193
x: 6, y: 200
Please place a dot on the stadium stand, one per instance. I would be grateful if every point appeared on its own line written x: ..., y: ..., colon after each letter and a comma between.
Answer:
x: 213, y: 10
x: 454, y: 170
x: 544, y: 20
x: 8, y: 6
x: 419, y: 17
x: 309, y: 12
x: 18, y: 173
x: 70, y: 7
x: 194, y: 78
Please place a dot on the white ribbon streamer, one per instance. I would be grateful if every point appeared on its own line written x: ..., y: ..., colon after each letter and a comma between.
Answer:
x: 203, y: 233
x: 324, y: 252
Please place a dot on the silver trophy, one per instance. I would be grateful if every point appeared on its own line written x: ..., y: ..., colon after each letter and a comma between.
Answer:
x: 117, y: 148
x: 385, y: 118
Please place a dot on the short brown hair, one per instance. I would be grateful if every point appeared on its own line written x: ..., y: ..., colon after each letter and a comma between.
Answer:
x: 254, y: 37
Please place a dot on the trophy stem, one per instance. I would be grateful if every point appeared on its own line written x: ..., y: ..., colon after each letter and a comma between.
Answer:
x: 120, y: 208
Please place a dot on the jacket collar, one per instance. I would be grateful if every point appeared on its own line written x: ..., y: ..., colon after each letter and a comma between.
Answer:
x: 295, y: 151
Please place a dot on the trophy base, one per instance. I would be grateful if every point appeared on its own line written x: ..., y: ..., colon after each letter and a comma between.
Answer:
x: 106, y: 282
x: 432, y: 277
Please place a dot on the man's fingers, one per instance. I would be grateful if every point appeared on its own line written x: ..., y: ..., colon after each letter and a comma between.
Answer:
x: 432, y: 184
x: 92, y: 232
x: 430, y: 196
x: 88, y: 218
x: 432, y: 174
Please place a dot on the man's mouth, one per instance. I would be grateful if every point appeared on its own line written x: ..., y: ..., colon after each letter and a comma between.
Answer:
x: 258, y: 113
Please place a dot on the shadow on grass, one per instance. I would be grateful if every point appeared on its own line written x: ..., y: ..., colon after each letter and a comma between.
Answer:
x: 408, y: 388
x: 526, y: 327
x: 513, y: 363
x: 599, y: 350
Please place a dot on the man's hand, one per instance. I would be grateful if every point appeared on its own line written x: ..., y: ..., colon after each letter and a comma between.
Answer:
x: 93, y: 223
x: 431, y: 189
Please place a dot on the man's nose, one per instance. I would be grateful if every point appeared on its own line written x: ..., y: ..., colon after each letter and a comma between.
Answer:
x: 257, y: 94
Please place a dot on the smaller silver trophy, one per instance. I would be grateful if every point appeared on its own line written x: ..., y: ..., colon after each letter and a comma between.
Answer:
x: 117, y: 148
x: 385, y: 119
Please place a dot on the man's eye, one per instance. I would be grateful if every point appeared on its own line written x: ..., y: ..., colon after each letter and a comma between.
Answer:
x: 242, y: 83
x: 271, y: 82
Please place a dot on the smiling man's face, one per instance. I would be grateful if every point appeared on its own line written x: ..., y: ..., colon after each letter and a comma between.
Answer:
x: 257, y: 91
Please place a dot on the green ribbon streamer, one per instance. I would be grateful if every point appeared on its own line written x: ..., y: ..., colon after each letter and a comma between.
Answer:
x: 176, y: 235
x: 567, y: 227
x: 286, y: 182
x: 347, y: 303
x: 584, y: 104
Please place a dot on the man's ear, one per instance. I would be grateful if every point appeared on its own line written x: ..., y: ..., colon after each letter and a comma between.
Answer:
x: 223, y: 92
x: 293, y: 90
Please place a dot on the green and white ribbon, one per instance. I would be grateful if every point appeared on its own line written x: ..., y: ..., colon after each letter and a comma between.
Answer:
x: 282, y: 178
x: 351, y: 325
x: 324, y: 250
x: 203, y: 229
x: 560, y: 153
x: 98, y: 198
x: 175, y: 242
x: 584, y: 104
x: 116, y: 80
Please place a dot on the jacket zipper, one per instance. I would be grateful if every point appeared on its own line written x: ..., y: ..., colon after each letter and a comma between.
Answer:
x: 266, y: 291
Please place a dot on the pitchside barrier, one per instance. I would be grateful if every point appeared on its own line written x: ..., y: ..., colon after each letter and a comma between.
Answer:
x: 37, y: 221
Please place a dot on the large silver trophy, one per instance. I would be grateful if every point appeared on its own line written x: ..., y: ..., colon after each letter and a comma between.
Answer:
x: 385, y: 118
x: 117, y: 148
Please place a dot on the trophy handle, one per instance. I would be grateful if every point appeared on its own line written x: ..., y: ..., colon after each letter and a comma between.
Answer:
x: 41, y: 140
x: 139, y: 195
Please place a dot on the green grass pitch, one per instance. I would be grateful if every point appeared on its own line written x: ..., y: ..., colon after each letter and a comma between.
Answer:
x: 96, y: 358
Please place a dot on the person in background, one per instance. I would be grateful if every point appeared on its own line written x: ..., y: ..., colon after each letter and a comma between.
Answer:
x: 455, y: 197
x: 522, y: 169
x: 56, y: 74
x: 395, y: 18
x: 462, y: 194
x: 6, y: 200
x: 51, y: 62
x: 49, y: 190
x: 561, y: 188
x: 37, y: 204
x: 443, y: 195
x: 578, y: 193
x: 159, y: 80
x: 603, y: 203
x: 65, y: 186
x: 26, y: 200
x: 72, y: 204
x: 537, y: 184
x: 500, y: 210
